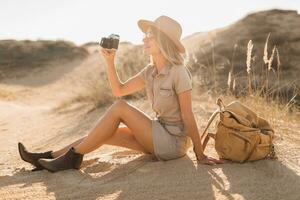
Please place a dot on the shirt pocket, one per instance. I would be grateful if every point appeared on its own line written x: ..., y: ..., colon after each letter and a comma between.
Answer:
x: 165, y: 92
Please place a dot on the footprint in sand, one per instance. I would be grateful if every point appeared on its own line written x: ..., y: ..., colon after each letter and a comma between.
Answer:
x: 98, y: 167
x: 126, y: 153
x: 3, y: 126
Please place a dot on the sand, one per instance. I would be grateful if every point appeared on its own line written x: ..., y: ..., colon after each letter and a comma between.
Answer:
x: 113, y: 172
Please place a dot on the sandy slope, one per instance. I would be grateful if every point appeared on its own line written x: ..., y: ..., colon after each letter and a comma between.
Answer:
x: 119, y: 173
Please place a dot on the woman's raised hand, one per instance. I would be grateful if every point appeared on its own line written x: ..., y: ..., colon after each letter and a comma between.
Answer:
x: 109, y: 55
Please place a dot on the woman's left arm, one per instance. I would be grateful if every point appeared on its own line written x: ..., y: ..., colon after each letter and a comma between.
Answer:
x: 187, y: 115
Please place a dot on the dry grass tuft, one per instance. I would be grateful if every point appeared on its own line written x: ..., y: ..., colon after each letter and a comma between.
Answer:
x: 93, y: 90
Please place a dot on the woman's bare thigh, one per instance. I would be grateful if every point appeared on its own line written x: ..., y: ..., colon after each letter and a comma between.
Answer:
x: 137, y: 121
x: 124, y: 137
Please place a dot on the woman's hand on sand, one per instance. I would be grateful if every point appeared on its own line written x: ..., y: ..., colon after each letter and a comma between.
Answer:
x: 109, y: 55
x: 203, y: 159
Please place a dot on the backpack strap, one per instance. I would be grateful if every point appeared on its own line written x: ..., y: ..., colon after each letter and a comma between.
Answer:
x: 205, y: 137
x: 212, y: 117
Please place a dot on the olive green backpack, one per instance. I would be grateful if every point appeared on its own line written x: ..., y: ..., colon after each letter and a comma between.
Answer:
x: 240, y: 134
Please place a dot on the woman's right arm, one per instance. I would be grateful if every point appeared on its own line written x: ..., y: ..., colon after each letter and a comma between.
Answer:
x: 132, y: 85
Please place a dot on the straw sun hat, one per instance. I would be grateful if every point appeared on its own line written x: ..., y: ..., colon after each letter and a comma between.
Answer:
x: 168, y: 26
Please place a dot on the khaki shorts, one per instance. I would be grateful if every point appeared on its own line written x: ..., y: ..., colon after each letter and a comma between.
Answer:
x: 169, y: 142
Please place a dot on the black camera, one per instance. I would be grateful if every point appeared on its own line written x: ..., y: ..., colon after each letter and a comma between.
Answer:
x: 111, y: 42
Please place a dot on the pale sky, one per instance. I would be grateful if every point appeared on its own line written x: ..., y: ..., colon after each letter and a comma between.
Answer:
x: 83, y: 21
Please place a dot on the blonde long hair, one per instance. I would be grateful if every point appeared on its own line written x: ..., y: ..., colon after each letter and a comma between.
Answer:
x: 167, y: 48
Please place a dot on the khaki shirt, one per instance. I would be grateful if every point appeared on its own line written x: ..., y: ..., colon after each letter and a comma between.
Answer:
x: 163, y: 88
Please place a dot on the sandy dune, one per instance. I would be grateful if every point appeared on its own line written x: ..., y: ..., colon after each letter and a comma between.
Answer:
x: 119, y: 173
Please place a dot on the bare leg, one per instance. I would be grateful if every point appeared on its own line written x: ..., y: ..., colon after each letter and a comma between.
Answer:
x: 134, y: 119
x: 60, y: 152
x: 106, y: 130
x: 123, y: 137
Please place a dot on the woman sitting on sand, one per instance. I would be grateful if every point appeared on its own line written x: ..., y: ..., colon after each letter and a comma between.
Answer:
x: 168, y: 85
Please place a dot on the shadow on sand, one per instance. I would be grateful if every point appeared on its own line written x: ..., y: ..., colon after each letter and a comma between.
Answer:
x: 144, y: 178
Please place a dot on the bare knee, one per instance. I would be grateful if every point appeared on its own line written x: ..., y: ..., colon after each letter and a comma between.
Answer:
x: 117, y: 109
x: 118, y: 106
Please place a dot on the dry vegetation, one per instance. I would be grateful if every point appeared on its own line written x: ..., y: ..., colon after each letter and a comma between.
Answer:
x: 265, y: 82
x: 215, y: 53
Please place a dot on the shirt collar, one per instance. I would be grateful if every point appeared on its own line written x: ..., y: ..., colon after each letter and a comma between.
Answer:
x: 165, y: 70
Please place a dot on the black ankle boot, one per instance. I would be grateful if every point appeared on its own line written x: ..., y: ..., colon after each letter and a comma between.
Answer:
x: 33, y: 157
x: 69, y: 160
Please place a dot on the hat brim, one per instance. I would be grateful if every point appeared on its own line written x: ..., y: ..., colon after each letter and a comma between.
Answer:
x: 145, y: 24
